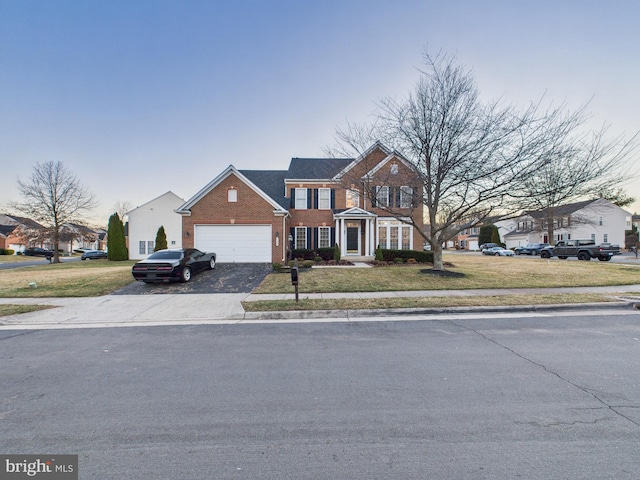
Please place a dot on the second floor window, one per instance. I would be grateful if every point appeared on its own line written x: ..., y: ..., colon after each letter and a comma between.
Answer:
x: 382, y: 197
x: 353, y: 198
x: 406, y: 197
x: 324, y: 198
x: 301, y: 199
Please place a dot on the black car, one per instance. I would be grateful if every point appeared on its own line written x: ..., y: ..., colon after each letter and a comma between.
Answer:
x: 530, y: 249
x: 38, y: 252
x: 173, y: 265
x: 93, y: 254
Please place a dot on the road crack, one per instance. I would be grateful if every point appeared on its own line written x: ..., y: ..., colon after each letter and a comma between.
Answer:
x: 612, y: 408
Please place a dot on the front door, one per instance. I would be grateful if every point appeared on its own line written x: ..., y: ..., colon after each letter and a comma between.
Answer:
x: 353, y: 238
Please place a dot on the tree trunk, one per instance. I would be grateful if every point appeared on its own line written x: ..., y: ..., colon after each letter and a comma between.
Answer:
x: 436, y: 248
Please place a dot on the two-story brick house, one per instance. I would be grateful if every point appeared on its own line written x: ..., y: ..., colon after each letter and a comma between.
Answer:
x: 254, y: 215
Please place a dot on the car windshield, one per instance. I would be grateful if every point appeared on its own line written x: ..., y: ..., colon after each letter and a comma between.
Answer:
x: 166, y: 256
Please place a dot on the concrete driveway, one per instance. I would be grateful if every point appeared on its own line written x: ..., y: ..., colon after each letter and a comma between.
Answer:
x: 226, y: 278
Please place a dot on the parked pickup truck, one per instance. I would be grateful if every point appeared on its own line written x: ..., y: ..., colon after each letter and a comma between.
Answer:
x: 583, y: 249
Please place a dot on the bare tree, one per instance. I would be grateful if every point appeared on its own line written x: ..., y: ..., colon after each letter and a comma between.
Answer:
x: 580, y: 165
x: 53, y: 196
x: 122, y: 207
x: 472, y: 159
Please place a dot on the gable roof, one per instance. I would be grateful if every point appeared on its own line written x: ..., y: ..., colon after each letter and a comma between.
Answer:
x: 157, y: 198
x: 560, y: 210
x: 316, y: 168
x: 270, y: 182
x: 24, y: 221
x: 5, y: 230
x: 185, y: 208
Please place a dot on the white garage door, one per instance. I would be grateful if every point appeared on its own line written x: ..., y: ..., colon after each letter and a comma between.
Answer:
x: 235, y: 243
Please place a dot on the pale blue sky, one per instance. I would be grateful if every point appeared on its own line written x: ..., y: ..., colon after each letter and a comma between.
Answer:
x: 141, y: 97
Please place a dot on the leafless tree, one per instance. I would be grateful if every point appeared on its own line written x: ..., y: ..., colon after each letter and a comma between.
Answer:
x: 473, y: 159
x: 121, y: 207
x: 579, y: 165
x: 53, y: 196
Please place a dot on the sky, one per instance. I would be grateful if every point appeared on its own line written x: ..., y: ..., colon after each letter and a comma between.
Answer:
x: 141, y: 97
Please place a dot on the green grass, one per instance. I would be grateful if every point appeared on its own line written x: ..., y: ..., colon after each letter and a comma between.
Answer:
x: 11, y: 309
x: 70, y: 279
x: 478, y: 271
x: 420, y: 302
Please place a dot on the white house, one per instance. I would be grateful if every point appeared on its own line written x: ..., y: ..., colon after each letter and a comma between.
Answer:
x: 598, y: 220
x: 145, y: 220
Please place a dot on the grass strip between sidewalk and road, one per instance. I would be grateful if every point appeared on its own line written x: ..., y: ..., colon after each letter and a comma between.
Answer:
x: 421, y: 302
x: 12, y: 309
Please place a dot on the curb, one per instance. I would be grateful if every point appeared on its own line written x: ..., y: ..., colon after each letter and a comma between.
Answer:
x: 310, y: 314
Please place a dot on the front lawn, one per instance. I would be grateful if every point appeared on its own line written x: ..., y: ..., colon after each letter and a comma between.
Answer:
x: 69, y: 279
x: 479, y: 272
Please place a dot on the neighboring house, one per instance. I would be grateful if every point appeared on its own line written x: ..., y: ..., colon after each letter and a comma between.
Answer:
x: 145, y: 220
x: 467, y: 239
x: 255, y: 215
x: 599, y: 220
x: 74, y: 236
x: 18, y: 233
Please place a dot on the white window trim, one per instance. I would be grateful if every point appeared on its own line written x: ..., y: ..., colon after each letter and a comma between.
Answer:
x: 328, y: 237
x: 301, y: 199
x: 380, y: 196
x: 301, y: 232
x: 324, y: 203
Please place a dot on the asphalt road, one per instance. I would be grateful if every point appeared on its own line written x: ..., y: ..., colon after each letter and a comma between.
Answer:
x: 486, y: 398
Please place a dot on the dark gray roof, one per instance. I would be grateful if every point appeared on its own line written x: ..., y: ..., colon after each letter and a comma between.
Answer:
x: 316, y: 168
x: 270, y: 182
x: 561, y: 210
x: 7, y: 229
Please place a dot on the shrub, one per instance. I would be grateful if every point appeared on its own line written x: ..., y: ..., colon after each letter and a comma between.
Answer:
x: 420, y: 257
x: 318, y: 259
x: 336, y: 253
x: 411, y: 260
x: 398, y: 260
x: 325, y: 253
x: 379, y: 256
x: 303, y: 254
x: 276, y: 266
x: 307, y: 264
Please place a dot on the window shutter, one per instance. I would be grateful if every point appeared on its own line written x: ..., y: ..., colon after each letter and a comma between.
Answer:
x: 414, y: 197
x: 333, y: 236
x: 292, y: 202
x: 315, y: 237
x: 333, y: 198
x: 374, y: 198
x: 397, y: 196
x: 309, y: 198
x: 309, y: 234
x: 315, y: 198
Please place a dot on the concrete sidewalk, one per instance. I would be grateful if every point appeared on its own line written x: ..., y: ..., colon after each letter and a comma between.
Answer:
x: 128, y: 310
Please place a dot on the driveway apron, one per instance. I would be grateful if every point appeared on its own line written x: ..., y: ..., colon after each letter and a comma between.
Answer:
x: 225, y: 278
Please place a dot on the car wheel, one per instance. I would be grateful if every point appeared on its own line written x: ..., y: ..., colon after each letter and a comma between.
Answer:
x: 212, y: 263
x: 584, y: 256
x: 544, y: 254
x: 83, y: 259
x: 186, y: 275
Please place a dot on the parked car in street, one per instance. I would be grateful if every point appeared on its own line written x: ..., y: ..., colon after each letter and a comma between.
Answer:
x: 497, y: 251
x: 530, y: 249
x: 38, y: 252
x: 93, y: 254
x: 583, y: 249
x: 485, y: 246
x: 173, y: 265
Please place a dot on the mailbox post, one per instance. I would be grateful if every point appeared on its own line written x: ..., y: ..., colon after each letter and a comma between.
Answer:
x: 294, y: 277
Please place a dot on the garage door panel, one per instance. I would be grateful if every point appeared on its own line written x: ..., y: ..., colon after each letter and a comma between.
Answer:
x: 235, y: 243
